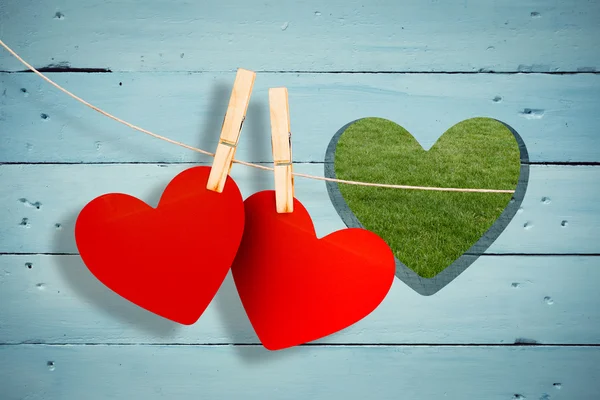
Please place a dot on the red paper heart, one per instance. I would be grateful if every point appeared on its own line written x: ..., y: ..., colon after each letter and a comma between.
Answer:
x: 296, y: 288
x: 170, y: 260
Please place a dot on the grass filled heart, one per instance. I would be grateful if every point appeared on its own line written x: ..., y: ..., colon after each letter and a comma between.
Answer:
x: 434, y: 235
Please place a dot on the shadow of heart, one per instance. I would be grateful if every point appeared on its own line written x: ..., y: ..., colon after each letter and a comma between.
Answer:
x: 423, y: 285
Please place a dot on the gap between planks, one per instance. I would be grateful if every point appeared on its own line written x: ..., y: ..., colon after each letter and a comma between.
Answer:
x: 163, y: 164
x: 53, y: 69
x: 449, y: 345
x: 469, y: 254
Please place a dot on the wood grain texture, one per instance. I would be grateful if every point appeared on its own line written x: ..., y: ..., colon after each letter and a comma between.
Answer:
x: 197, y: 372
x: 339, y: 35
x: 173, y: 66
x: 555, y: 194
x: 281, y: 141
x: 556, y: 115
x: 497, y: 300
x: 231, y: 129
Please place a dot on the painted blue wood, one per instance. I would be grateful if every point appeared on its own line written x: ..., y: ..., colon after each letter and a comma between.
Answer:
x: 157, y: 46
x: 497, y: 300
x: 560, y: 212
x: 347, y: 35
x: 323, y: 373
x: 556, y: 115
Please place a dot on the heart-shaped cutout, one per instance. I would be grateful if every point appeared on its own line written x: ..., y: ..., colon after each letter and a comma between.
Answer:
x: 297, y: 288
x: 170, y: 260
x: 435, y: 236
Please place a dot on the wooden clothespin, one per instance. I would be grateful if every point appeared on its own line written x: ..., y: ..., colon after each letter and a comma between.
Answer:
x: 232, y: 127
x: 281, y: 140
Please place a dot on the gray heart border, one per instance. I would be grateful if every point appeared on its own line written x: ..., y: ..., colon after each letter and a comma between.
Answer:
x: 430, y: 286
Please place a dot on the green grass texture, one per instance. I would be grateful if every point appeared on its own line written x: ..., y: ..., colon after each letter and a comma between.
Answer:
x: 427, y: 230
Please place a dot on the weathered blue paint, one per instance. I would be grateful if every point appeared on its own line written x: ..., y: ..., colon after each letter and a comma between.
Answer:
x: 63, y: 190
x: 311, y: 35
x: 173, y: 64
x: 499, y: 300
x: 190, y: 108
x: 319, y: 373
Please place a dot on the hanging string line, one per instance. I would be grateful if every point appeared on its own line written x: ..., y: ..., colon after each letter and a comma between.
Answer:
x: 166, y: 139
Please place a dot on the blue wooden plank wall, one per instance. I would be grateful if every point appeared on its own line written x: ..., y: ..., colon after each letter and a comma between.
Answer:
x: 523, y: 322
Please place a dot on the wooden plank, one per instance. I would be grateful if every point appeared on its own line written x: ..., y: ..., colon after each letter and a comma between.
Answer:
x: 555, y: 194
x: 65, y: 189
x: 557, y: 115
x: 197, y: 372
x: 497, y: 300
x: 547, y: 214
x: 456, y: 35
